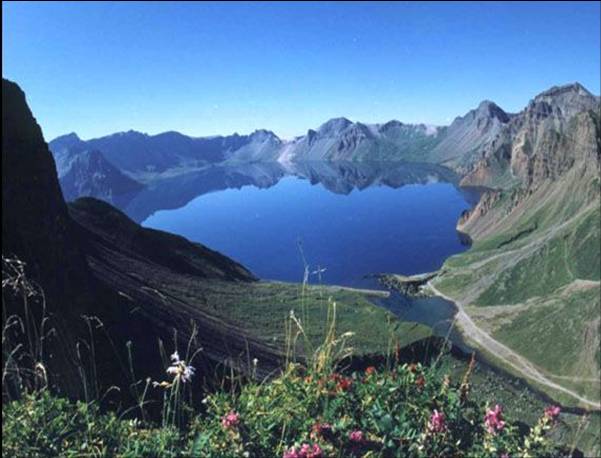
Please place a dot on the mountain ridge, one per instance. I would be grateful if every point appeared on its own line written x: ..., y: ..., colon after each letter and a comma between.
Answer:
x: 465, y: 145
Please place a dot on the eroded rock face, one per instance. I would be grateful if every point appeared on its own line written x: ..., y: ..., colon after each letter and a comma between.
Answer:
x: 90, y: 174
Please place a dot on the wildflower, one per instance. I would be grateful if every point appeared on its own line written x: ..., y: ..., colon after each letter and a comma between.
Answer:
x: 437, y: 422
x: 255, y: 362
x: 179, y: 369
x: 552, y: 412
x: 291, y: 453
x: 370, y: 370
x: 494, y: 420
x: 306, y: 451
x: 505, y: 455
x: 344, y: 384
x: 230, y: 420
x: 313, y: 451
x: 356, y: 436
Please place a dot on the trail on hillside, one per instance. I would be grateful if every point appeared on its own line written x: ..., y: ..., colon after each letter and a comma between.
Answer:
x: 516, y: 361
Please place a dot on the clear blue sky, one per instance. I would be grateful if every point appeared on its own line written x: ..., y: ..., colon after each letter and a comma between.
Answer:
x: 219, y: 68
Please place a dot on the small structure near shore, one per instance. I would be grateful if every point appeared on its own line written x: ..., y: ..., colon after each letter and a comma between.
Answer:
x: 410, y: 285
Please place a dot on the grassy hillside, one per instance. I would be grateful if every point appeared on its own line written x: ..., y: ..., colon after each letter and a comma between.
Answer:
x: 531, y: 279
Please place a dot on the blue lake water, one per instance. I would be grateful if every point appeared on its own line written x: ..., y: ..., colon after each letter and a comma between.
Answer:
x: 351, y: 219
x: 408, y: 229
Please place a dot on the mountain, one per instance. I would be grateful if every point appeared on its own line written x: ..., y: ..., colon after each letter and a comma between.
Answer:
x: 341, y: 139
x: 468, y: 135
x: 473, y: 144
x: 532, y: 277
x: 143, y: 156
x: 90, y: 175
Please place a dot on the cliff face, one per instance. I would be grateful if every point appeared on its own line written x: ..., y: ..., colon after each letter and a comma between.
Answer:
x: 35, y: 223
x: 557, y: 134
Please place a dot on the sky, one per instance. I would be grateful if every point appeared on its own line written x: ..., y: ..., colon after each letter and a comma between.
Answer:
x: 219, y: 68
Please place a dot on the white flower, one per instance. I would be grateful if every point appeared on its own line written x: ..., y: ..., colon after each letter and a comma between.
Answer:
x: 188, y: 373
x: 179, y: 369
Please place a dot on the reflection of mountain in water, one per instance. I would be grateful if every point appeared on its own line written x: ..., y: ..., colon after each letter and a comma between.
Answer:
x: 337, y: 177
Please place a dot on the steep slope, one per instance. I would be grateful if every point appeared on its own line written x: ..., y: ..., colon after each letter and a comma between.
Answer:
x: 469, y: 135
x: 89, y: 174
x: 31, y: 192
x: 532, y: 277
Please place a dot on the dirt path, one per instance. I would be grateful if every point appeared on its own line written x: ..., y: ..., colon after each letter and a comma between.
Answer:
x: 519, y: 363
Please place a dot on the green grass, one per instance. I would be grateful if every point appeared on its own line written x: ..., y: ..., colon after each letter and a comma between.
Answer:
x: 43, y: 425
x: 554, y: 335
x: 262, y: 308
x: 573, y: 253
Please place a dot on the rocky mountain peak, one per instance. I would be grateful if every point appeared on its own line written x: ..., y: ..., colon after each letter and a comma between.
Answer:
x: 334, y: 126
x: 565, y: 101
x: 489, y: 109
x: 264, y: 135
x: 571, y: 88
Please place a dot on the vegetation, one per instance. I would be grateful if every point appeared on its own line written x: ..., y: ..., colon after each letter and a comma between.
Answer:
x: 314, y: 409
x: 531, y: 279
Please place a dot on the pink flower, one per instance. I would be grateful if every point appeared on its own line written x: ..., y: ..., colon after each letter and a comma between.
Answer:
x: 494, y: 419
x: 552, y: 412
x: 306, y: 451
x: 316, y: 452
x: 437, y: 422
x: 230, y: 420
x: 356, y: 436
x: 505, y: 455
x: 291, y: 453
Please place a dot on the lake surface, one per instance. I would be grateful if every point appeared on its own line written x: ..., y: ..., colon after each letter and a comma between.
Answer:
x: 409, y: 229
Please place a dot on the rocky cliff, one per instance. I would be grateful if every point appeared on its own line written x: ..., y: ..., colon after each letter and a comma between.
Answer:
x: 532, y: 277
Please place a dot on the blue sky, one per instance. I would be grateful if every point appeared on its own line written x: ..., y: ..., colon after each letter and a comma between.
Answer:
x: 219, y: 68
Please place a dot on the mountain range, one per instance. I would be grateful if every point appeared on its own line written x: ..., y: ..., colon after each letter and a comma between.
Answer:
x: 474, y: 145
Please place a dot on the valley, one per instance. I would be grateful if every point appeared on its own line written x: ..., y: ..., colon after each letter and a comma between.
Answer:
x: 534, y: 258
x: 535, y: 231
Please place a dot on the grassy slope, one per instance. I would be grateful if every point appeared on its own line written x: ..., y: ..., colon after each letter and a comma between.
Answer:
x: 262, y: 309
x: 532, y: 280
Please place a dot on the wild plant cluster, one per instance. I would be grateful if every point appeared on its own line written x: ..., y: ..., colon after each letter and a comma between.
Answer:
x: 314, y: 408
